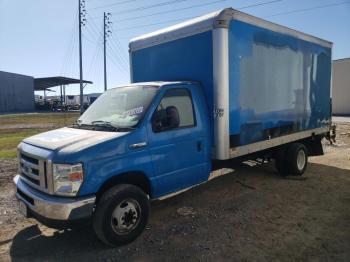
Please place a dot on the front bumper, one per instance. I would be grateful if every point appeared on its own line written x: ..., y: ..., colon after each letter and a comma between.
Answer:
x: 49, y: 207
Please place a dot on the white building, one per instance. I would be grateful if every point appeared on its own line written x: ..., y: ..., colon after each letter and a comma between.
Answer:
x: 341, y: 87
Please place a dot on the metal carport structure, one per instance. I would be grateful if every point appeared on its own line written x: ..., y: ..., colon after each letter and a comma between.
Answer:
x: 44, y: 83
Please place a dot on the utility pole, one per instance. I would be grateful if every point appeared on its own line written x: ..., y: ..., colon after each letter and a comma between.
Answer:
x: 82, y: 21
x: 106, y: 34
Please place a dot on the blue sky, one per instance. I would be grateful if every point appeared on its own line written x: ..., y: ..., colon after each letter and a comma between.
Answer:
x: 39, y: 37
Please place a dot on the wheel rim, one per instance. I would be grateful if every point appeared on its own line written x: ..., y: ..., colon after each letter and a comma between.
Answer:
x: 301, y: 159
x: 126, y: 216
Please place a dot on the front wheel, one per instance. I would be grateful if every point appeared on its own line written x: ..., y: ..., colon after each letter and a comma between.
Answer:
x: 121, y: 214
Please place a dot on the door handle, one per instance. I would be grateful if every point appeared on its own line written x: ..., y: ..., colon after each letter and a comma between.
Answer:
x: 138, y: 145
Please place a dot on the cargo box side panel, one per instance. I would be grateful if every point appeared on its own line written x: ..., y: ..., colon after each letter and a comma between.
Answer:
x: 189, y: 58
x: 278, y: 84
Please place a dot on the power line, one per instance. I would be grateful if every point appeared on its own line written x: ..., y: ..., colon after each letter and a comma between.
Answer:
x: 306, y: 9
x: 89, y: 39
x: 115, y: 59
x: 146, y: 7
x: 258, y: 4
x: 94, y: 64
x: 188, y: 7
x: 171, y: 11
x: 98, y: 68
x: 71, y: 57
x: 120, y: 69
x: 70, y: 45
x: 117, y: 44
x: 93, y: 27
x: 121, y: 57
x: 159, y: 23
x: 113, y: 4
x: 116, y: 56
x: 94, y: 57
x: 94, y: 36
x: 185, y: 18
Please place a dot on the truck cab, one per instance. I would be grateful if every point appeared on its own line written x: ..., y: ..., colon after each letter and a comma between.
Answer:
x: 136, y: 142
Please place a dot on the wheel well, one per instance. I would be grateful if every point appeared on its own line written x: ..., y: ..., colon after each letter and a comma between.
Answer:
x: 313, y: 145
x: 135, y: 178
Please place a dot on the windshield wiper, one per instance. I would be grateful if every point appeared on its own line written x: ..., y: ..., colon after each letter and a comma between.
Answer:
x: 78, y: 123
x: 125, y: 128
x: 103, y: 124
x: 106, y: 124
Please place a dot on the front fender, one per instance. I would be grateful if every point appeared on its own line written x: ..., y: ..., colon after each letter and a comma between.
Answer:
x: 100, y: 170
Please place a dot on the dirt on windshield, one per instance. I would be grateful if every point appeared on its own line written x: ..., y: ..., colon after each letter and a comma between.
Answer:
x: 251, y: 214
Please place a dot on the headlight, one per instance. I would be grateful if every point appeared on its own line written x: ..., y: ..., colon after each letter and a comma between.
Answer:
x: 67, y: 179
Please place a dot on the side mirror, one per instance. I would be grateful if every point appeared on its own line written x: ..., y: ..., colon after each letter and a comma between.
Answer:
x: 166, y: 119
x: 172, y: 117
x: 159, y: 120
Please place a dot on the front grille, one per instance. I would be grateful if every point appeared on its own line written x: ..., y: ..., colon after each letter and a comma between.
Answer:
x: 30, y: 159
x: 33, y: 170
x: 34, y: 181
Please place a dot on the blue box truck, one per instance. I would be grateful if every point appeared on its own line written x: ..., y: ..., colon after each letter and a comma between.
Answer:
x: 225, y: 86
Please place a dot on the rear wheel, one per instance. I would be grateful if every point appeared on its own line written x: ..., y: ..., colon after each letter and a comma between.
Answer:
x: 297, y: 157
x: 121, y: 215
x: 292, y: 160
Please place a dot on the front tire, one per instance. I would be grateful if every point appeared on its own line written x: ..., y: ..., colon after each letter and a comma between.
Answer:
x: 121, y: 215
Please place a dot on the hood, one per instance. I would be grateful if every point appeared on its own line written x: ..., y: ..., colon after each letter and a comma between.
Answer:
x: 71, y: 139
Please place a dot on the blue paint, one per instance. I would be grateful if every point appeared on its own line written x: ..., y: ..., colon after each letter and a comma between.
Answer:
x: 300, y: 80
x: 189, y: 58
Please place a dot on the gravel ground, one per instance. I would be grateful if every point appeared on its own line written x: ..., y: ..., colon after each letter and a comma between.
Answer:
x: 250, y: 214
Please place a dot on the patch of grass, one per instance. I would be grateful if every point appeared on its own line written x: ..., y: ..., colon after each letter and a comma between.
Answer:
x: 8, y: 153
x: 14, y: 128
x: 39, y: 118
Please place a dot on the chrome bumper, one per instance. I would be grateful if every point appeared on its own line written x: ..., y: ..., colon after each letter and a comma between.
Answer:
x: 53, y: 207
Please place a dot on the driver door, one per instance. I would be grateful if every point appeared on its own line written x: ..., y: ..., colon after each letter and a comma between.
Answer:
x: 176, y: 143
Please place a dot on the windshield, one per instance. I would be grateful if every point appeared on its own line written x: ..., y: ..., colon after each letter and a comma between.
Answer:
x: 120, y: 107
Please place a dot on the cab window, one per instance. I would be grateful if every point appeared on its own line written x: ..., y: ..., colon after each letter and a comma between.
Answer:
x: 175, y: 110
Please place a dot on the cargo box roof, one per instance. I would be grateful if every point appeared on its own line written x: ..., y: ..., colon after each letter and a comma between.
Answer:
x: 210, y: 21
x: 157, y: 83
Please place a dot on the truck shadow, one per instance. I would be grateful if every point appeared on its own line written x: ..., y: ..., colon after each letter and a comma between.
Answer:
x: 81, y: 244
x: 31, y: 242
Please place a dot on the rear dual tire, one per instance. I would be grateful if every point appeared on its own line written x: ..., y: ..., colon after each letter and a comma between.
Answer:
x: 292, y: 160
